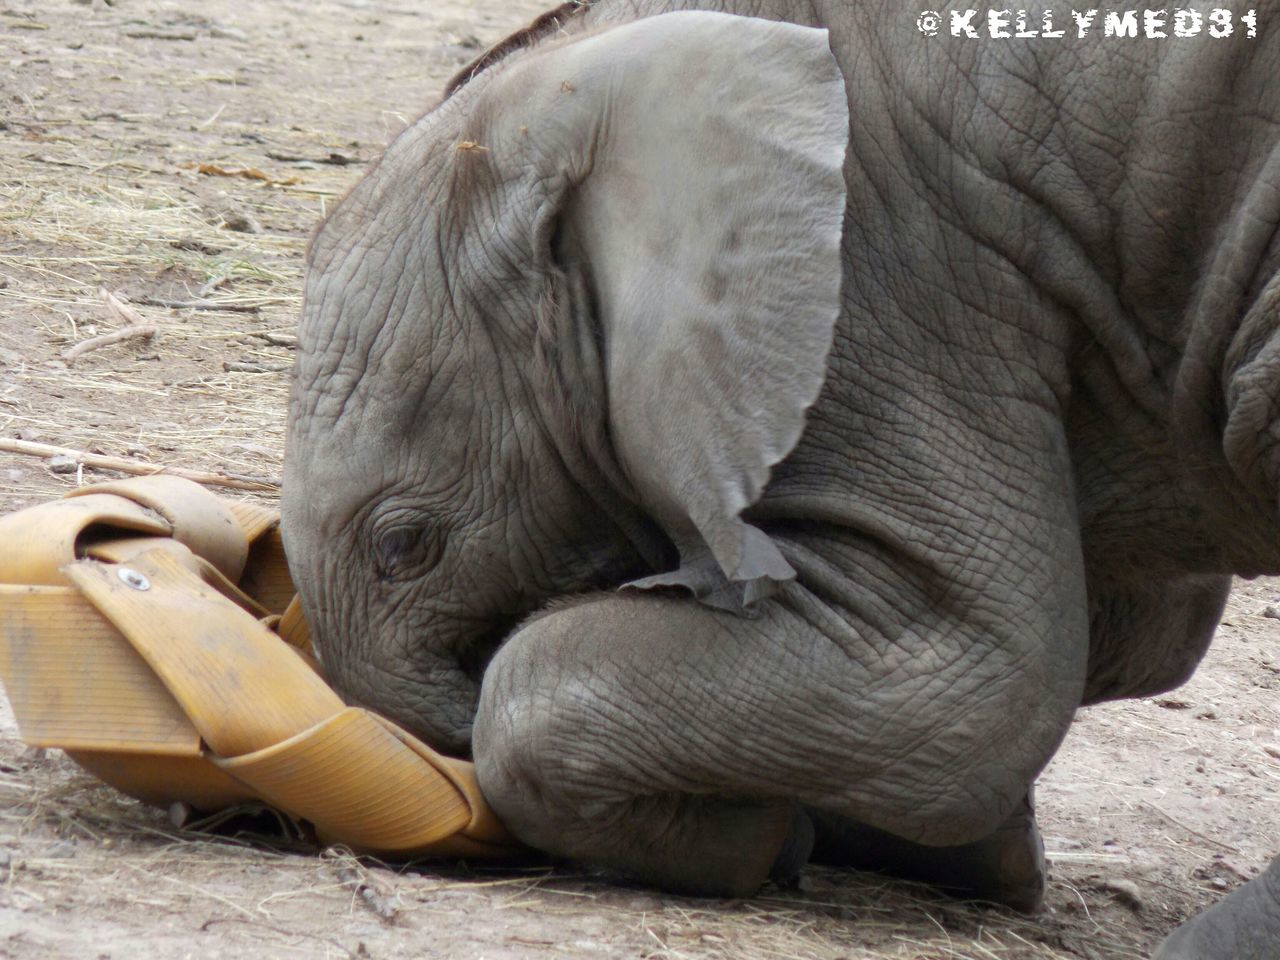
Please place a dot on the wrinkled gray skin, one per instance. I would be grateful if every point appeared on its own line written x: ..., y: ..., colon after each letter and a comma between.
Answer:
x: 912, y: 429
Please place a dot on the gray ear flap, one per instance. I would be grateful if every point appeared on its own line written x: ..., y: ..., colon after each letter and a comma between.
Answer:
x: 708, y: 208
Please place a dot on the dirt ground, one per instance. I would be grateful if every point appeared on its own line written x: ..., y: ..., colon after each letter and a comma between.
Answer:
x: 168, y: 151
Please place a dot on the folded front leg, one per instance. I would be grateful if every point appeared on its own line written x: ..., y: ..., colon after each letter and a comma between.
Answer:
x: 671, y: 742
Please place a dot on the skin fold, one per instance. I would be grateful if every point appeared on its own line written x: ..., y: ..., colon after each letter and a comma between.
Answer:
x: 752, y: 437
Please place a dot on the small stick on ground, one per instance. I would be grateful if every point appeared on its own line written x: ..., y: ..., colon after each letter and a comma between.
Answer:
x: 244, y: 366
x: 100, y: 461
x: 201, y: 305
x: 277, y: 339
x: 1191, y: 830
x: 148, y: 34
x: 137, y: 329
x: 120, y: 309
x: 377, y: 896
x: 143, y: 332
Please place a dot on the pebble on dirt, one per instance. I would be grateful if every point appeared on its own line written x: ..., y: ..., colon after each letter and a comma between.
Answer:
x: 61, y: 464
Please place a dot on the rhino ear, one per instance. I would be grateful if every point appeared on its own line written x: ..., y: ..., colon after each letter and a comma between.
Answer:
x: 709, y: 216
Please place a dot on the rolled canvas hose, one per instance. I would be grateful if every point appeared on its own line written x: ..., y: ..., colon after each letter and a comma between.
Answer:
x: 150, y: 630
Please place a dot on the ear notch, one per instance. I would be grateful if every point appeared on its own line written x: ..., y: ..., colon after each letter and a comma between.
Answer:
x: 700, y: 162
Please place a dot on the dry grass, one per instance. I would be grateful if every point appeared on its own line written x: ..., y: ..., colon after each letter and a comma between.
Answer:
x: 123, y: 235
x: 98, y: 197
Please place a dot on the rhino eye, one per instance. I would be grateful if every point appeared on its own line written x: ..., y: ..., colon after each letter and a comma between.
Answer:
x: 401, y: 551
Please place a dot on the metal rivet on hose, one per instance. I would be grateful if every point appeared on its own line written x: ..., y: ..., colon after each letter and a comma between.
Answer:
x: 132, y: 578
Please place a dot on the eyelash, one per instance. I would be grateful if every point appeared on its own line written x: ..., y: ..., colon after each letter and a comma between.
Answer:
x: 400, y: 551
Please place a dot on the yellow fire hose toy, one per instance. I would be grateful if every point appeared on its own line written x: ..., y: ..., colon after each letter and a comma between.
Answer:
x: 149, y: 628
